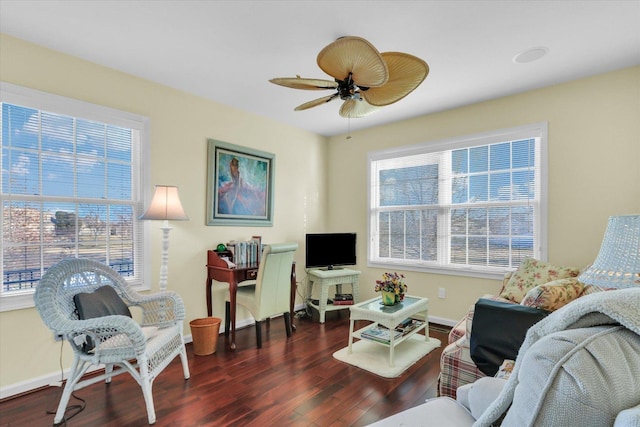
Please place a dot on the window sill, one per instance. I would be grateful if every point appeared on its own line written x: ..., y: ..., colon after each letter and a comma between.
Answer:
x: 16, y: 301
x: 497, y: 273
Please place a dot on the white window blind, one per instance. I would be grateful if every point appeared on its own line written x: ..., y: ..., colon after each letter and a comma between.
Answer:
x: 71, y: 186
x: 474, y: 205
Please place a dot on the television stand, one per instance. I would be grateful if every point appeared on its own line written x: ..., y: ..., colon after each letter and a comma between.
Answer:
x: 326, y: 278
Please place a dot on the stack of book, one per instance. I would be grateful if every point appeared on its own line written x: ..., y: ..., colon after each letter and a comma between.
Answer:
x: 246, y: 252
x: 408, y: 325
x: 343, y: 299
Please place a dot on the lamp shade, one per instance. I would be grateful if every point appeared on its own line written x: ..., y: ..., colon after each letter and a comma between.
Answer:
x: 618, y: 262
x: 165, y: 205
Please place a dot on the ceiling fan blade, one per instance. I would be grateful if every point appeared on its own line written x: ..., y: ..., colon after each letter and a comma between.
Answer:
x: 354, y: 108
x: 406, y: 72
x: 316, y: 102
x: 357, y: 56
x: 307, y: 84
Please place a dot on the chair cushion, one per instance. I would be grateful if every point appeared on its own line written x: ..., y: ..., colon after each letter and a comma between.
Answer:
x: 553, y: 295
x: 482, y: 393
x: 121, y: 340
x: 498, y: 331
x: 532, y: 273
x: 441, y: 412
x: 104, y: 301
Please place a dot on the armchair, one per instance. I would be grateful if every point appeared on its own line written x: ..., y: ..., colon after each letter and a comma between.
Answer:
x: 535, y: 284
x: 110, y: 339
x: 578, y: 366
x: 269, y: 294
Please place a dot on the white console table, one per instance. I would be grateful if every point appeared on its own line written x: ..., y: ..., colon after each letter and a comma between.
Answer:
x: 326, y: 278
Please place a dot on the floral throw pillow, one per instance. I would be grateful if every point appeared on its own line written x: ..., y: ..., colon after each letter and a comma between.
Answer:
x: 553, y: 295
x: 532, y: 273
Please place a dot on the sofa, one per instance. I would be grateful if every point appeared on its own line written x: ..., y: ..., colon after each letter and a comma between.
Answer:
x: 578, y: 366
x: 534, y: 284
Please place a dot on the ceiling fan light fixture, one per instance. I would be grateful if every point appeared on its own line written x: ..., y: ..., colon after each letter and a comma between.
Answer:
x: 356, y: 108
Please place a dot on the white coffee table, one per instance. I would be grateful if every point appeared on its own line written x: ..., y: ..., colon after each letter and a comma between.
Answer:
x: 390, y: 317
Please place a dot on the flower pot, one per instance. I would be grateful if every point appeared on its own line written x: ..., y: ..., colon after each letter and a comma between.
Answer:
x: 388, y: 298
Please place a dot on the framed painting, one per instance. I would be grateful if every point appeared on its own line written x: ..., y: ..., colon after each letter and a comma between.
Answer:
x: 239, y: 185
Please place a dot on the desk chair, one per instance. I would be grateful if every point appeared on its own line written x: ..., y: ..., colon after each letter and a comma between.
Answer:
x: 269, y: 294
x: 87, y: 303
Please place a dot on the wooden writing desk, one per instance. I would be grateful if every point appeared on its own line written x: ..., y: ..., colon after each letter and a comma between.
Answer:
x: 218, y: 270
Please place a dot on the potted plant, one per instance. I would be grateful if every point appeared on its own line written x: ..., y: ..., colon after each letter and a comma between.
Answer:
x: 392, y: 287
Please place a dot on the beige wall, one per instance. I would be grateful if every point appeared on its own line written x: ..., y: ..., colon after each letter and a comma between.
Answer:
x: 594, y: 153
x: 594, y: 150
x: 180, y: 126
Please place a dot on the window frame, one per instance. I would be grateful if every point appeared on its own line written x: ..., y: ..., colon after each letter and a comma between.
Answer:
x: 535, y: 130
x: 43, y: 101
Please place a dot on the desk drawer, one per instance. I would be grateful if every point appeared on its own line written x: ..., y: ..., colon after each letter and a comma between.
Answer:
x: 250, y: 274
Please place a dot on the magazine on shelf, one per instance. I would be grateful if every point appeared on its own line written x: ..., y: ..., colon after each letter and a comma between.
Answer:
x: 343, y: 302
x: 380, y: 334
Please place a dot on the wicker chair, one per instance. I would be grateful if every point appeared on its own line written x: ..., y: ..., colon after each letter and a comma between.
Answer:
x: 141, y: 350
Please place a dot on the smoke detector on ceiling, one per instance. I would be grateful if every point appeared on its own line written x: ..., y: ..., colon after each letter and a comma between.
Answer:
x: 530, y: 55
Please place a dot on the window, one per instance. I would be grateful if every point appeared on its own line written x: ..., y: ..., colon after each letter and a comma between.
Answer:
x: 474, y: 205
x: 71, y: 186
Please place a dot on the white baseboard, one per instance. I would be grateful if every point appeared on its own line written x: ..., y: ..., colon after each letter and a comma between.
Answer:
x: 443, y: 321
x: 52, y: 379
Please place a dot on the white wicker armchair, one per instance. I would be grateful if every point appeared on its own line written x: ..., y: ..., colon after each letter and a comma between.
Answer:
x: 117, y: 340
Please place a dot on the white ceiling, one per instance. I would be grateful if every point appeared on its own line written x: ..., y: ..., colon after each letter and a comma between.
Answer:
x: 228, y: 50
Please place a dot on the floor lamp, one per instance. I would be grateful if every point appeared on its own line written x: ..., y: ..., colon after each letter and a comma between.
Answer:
x: 165, y: 206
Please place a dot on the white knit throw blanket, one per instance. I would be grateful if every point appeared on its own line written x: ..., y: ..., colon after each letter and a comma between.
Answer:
x: 602, y: 308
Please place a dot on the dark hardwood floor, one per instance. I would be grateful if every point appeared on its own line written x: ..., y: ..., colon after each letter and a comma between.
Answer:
x: 289, y: 382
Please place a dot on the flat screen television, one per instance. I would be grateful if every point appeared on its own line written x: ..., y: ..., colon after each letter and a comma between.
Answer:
x: 330, y: 250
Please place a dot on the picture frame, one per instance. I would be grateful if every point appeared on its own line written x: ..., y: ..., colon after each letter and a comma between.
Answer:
x: 239, y: 185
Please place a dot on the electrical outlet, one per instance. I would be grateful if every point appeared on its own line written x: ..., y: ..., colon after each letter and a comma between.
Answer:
x: 57, y: 337
x: 441, y: 293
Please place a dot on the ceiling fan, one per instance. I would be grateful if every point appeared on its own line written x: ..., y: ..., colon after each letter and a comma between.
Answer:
x: 364, y: 78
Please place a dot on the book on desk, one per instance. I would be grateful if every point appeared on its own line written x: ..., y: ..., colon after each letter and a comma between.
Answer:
x: 246, y: 252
